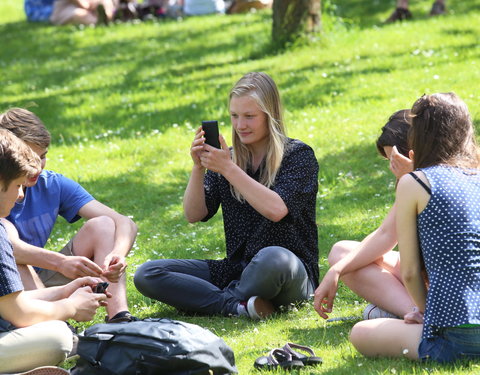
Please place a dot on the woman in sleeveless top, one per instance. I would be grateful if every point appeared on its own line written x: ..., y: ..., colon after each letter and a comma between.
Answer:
x: 438, y: 226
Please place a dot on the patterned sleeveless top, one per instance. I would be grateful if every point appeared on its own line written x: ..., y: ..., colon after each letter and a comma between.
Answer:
x: 449, y: 235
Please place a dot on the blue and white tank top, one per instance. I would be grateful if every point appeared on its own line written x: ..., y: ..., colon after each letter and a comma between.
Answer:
x: 449, y: 235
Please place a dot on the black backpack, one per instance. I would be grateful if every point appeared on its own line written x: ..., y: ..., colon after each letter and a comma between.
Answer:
x: 152, y: 347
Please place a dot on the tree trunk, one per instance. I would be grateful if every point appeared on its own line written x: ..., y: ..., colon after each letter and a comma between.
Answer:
x: 292, y: 18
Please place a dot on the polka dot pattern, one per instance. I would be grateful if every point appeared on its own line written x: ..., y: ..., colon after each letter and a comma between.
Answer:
x: 449, y: 234
x: 247, y: 231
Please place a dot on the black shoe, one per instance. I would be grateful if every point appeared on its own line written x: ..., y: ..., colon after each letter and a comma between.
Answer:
x: 399, y: 14
x: 438, y: 8
x: 122, y: 317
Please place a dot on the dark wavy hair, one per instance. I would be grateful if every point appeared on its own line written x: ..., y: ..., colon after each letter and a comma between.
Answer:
x: 442, y: 132
x: 395, y: 133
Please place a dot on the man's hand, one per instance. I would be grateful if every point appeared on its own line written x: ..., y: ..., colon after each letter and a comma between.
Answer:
x: 325, y: 293
x: 74, y: 267
x: 86, y: 303
x: 113, y: 267
x: 72, y: 286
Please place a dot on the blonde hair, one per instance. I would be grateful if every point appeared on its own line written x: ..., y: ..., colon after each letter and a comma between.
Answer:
x: 16, y: 159
x: 261, y: 87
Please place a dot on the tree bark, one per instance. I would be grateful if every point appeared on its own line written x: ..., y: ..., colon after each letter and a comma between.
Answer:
x: 292, y: 18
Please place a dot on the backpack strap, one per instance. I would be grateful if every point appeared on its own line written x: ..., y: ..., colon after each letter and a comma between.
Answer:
x: 423, y: 184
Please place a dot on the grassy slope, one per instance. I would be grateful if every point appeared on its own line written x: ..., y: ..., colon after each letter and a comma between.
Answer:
x: 122, y: 102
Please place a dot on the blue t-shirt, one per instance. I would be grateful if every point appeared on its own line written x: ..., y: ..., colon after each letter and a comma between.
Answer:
x: 52, y: 195
x: 38, y: 10
x: 449, y: 234
x: 10, y: 281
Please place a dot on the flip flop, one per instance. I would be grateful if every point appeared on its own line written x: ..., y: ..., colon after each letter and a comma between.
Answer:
x: 308, y: 360
x: 277, y: 358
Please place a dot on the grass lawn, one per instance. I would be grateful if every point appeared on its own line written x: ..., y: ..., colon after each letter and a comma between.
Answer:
x: 122, y: 103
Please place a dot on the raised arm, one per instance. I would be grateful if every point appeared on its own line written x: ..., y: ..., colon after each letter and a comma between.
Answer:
x: 194, y: 206
x: 264, y: 200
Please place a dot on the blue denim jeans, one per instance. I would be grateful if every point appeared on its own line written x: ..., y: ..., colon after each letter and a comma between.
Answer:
x: 451, y: 344
x: 274, y: 273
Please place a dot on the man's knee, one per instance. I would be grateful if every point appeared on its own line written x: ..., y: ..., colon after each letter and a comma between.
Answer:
x: 100, y: 226
x: 58, y: 341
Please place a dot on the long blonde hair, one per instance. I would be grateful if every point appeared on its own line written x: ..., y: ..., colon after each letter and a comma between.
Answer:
x: 261, y: 87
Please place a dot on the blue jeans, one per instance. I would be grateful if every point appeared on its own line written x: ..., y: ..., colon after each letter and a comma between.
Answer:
x: 451, y: 344
x: 274, y: 273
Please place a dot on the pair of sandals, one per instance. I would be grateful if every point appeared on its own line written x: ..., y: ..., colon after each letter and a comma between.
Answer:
x: 291, y: 356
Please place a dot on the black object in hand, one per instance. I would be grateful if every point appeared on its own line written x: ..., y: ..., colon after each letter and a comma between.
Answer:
x: 100, y: 287
x: 211, y: 133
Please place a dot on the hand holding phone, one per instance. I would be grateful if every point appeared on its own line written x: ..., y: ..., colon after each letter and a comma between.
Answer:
x: 211, y: 133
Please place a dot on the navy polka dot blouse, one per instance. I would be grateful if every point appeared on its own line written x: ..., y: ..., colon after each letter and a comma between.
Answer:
x: 449, y: 234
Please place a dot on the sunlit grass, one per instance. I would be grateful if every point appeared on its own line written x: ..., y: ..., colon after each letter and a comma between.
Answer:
x: 122, y: 104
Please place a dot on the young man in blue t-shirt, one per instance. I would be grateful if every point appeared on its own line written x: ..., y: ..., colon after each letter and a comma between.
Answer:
x: 32, y: 332
x: 100, y: 246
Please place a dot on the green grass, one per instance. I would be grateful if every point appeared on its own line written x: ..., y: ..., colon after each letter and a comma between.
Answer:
x: 122, y: 103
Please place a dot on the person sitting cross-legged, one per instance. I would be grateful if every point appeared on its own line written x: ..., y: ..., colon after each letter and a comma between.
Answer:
x: 98, y: 249
x: 32, y: 328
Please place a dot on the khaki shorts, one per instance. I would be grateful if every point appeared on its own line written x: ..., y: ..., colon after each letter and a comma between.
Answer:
x: 54, y: 278
x: 42, y: 344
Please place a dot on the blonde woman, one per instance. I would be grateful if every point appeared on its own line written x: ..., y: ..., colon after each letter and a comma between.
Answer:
x: 266, y: 185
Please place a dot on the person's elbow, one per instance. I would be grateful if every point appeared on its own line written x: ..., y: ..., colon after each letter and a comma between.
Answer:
x: 194, y: 216
x: 190, y: 219
x: 409, y: 274
x: 276, y: 214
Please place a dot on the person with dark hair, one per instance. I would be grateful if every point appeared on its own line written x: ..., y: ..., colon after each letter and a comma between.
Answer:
x: 32, y: 328
x: 371, y: 268
x: 394, y: 134
x: 402, y: 13
x: 438, y: 226
x: 98, y: 249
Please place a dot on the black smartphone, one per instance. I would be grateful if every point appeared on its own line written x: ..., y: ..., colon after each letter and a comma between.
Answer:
x: 211, y: 133
x: 100, y: 287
